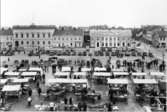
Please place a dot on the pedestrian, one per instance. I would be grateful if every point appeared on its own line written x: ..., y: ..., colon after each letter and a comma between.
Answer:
x: 39, y: 91
x: 65, y: 100
x: 84, y: 106
x: 70, y: 101
x: 29, y: 92
x: 37, y: 84
x: 29, y: 100
x: 43, y: 78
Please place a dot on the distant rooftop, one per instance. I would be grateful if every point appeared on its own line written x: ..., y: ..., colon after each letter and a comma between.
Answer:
x: 74, y: 31
x: 34, y: 27
x: 6, y: 31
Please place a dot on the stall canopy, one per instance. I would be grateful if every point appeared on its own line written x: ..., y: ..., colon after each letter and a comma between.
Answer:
x: 118, y: 70
x: 13, y: 74
x: 8, y: 88
x: 98, y: 69
x: 3, y: 81
x: 16, y: 80
x: 22, y: 69
x: 160, y: 74
x: 2, y: 70
x: 80, y: 73
x: 36, y: 69
x: 139, y: 74
x: 66, y: 69
x: 117, y: 81
x: 102, y: 74
x: 120, y: 73
x: 28, y: 74
x: 62, y: 74
x: 68, y: 81
x: 145, y: 81
x: 85, y: 69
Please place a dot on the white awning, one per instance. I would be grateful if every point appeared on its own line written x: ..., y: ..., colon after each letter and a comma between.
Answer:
x: 8, y: 88
x: 14, y: 74
x: 2, y: 69
x: 62, y: 74
x: 160, y: 74
x: 139, y: 74
x: 68, y: 81
x: 117, y: 81
x: 80, y: 73
x: 66, y: 69
x: 36, y: 69
x: 118, y: 70
x: 16, y: 80
x: 3, y: 81
x: 28, y: 74
x: 85, y: 69
x: 22, y: 70
x: 145, y: 81
x: 121, y: 73
x: 99, y: 69
x: 102, y: 74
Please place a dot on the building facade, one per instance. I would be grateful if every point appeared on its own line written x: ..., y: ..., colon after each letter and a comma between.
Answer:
x: 68, y: 38
x: 110, y: 38
x: 6, y: 38
x: 33, y: 37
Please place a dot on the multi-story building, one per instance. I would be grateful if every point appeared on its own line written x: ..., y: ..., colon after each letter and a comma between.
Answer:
x: 68, y: 38
x: 6, y: 38
x: 33, y: 37
x: 110, y: 38
x: 159, y: 39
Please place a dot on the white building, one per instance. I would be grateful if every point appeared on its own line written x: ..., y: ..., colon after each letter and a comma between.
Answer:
x: 33, y: 37
x: 68, y: 38
x: 6, y: 38
x: 110, y: 38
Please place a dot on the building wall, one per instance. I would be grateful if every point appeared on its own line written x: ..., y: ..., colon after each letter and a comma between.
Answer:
x: 74, y: 41
x: 110, y: 38
x: 33, y: 38
x: 5, y: 41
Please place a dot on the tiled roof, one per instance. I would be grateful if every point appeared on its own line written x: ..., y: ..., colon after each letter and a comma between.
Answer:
x: 6, y: 32
x: 35, y: 27
x: 78, y: 32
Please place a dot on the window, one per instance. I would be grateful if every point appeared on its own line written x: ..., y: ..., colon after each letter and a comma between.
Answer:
x: 62, y: 38
x: 48, y: 34
x: 27, y: 42
x: 106, y: 44
x: 32, y: 35
x: 43, y: 34
x: 71, y: 44
x: 38, y: 42
x: 102, y: 38
x: 21, y: 35
x: 118, y: 44
x: 48, y: 42
x: 43, y: 42
x: 33, y: 42
x: 22, y: 42
x: 58, y: 38
x: 123, y: 44
x: 16, y: 35
x: 38, y: 35
x: 110, y: 38
x: 110, y: 44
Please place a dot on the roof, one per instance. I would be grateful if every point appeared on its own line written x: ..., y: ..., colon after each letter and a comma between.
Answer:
x: 76, y: 32
x: 34, y: 27
x: 6, y: 32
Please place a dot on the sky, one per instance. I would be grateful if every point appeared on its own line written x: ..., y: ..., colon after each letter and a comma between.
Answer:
x: 126, y: 13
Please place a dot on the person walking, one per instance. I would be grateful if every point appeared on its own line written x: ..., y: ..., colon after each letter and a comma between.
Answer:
x: 29, y: 101
x: 29, y: 92
x: 39, y: 91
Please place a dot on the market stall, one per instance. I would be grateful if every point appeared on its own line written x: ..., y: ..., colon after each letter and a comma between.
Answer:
x: 12, y: 74
x: 85, y: 69
x: 12, y: 90
x: 2, y: 70
x: 158, y: 75
x: 101, y: 77
x: 118, y: 89
x: 62, y: 74
x: 66, y: 69
x: 120, y: 74
x: 98, y: 69
x: 36, y: 69
x: 79, y: 75
x: 29, y: 74
x: 139, y: 75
